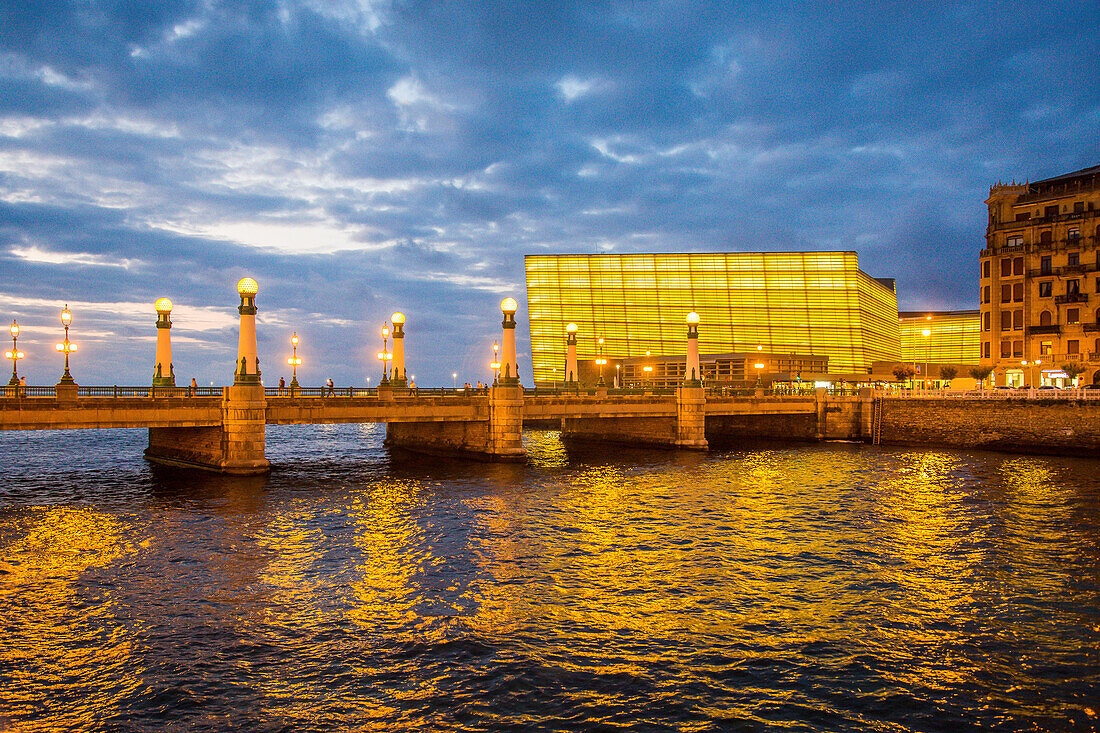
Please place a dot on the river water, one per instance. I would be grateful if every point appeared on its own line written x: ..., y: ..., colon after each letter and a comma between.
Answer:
x: 798, y: 587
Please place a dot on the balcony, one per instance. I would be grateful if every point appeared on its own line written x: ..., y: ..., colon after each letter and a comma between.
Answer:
x: 1072, y: 298
x: 1054, y: 328
x: 1094, y: 356
x: 1091, y: 326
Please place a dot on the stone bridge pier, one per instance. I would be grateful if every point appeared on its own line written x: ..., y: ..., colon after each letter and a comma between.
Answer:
x: 236, y: 446
x: 495, y: 435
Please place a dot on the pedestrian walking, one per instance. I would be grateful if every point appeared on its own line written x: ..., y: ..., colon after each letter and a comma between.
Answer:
x: 282, y: 386
x: 194, y: 387
x: 331, y: 387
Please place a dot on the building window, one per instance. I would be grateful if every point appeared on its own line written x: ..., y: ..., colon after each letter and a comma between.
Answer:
x: 1017, y: 348
x: 1006, y: 320
x: 985, y: 292
x: 1045, y: 289
x: 1006, y: 293
x: 985, y: 321
x: 1050, y: 211
x: 1044, y: 237
x: 1073, y: 315
x: 1073, y: 287
x: 1017, y: 320
x: 1073, y: 346
x: 985, y: 350
x: 1045, y: 347
x: 1023, y: 216
x: 1074, y: 234
x: 985, y: 269
x: 1018, y: 266
x: 1018, y: 293
x: 1074, y: 259
x: 1006, y: 349
x: 1044, y: 318
x: 1015, y: 241
x: 1078, y: 207
x: 1098, y: 315
x: 1006, y: 267
x: 1044, y: 265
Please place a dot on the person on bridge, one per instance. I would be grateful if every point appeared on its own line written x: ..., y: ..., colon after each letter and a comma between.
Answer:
x: 282, y: 386
x: 23, y: 386
x: 194, y: 387
x: 331, y: 387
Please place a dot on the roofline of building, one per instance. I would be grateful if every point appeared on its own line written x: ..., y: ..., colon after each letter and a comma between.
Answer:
x: 922, y: 314
x: 1090, y: 171
x: 878, y: 280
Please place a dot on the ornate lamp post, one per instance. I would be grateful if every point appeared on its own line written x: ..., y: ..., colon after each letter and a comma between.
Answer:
x: 65, y: 346
x: 692, y: 376
x: 508, y: 307
x: 247, y: 354
x: 399, y: 371
x: 618, y: 385
x: 495, y: 363
x: 294, y: 362
x: 15, y: 354
x: 163, y: 372
x: 571, y: 353
x: 600, y: 361
x: 384, y: 354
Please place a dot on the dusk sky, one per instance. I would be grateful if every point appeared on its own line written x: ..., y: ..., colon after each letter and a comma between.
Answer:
x: 358, y: 158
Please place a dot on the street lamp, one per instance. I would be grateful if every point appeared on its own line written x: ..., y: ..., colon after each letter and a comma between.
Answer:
x: 600, y: 361
x: 294, y: 362
x: 618, y: 385
x: 454, y: 380
x: 495, y: 363
x: 927, y: 355
x: 15, y: 354
x: 65, y: 346
x: 384, y: 355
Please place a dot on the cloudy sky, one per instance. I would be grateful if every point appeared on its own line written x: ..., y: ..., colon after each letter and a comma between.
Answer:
x: 360, y: 157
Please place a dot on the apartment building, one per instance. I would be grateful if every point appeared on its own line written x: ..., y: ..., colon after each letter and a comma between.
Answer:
x: 1040, y: 280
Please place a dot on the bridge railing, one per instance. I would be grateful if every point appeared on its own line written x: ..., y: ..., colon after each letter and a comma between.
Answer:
x: 112, y: 391
x: 372, y: 392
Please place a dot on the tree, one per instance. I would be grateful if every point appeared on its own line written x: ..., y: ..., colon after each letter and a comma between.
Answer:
x: 947, y: 373
x: 1073, y: 370
x: 903, y: 372
x: 980, y: 374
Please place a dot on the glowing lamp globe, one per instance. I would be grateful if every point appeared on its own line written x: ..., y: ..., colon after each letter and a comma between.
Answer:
x: 571, y: 328
x: 509, y: 305
x: 397, y: 318
x: 247, y: 286
x: 14, y: 330
x: 163, y: 305
x: 66, y: 316
x: 693, y: 317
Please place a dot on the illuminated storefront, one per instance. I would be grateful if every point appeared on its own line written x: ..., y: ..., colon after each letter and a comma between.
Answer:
x: 812, y: 303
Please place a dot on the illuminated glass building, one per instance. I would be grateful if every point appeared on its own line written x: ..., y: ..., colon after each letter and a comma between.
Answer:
x: 813, y: 303
x: 954, y: 337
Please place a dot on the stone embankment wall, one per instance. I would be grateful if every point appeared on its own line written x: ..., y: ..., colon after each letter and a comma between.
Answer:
x: 199, y: 447
x: 1064, y: 427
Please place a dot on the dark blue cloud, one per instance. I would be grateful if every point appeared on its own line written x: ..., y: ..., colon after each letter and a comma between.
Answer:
x: 363, y: 158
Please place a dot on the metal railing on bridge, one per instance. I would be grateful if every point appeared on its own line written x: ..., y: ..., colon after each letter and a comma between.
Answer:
x: 112, y: 391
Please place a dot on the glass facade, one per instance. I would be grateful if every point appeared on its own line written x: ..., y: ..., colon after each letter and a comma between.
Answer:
x: 815, y: 303
x: 954, y: 337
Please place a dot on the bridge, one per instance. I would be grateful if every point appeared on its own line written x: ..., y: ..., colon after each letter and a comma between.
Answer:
x: 223, y: 429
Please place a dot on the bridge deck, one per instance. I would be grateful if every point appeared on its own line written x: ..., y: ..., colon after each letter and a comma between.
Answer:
x: 46, y: 413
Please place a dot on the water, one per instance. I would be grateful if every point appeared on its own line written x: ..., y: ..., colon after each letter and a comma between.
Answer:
x: 828, y: 587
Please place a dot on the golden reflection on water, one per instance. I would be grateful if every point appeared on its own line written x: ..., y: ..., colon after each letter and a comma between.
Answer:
x: 63, y: 641
x: 674, y: 570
